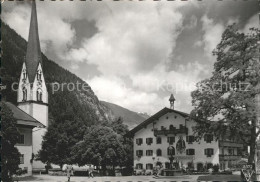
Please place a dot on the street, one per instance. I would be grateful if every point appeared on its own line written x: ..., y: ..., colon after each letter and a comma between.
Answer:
x: 109, y: 179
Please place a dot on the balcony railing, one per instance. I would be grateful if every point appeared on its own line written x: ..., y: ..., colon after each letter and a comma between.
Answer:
x: 230, y: 144
x: 229, y: 157
x: 182, y: 130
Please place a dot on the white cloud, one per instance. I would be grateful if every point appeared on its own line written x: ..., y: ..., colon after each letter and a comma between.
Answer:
x: 198, y: 43
x: 134, y: 40
x: 182, y: 79
x: 252, y: 22
x: 131, y: 38
x: 18, y: 18
x: 143, y: 95
x: 192, y: 23
x: 114, y: 90
x: 212, y: 34
x: 55, y: 33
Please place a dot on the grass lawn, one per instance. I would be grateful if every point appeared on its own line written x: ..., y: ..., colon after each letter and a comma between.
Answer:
x: 220, y: 178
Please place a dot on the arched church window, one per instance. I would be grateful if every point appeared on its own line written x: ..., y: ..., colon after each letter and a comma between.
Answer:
x: 39, y: 95
x: 24, y: 94
x: 24, y: 74
x: 39, y: 75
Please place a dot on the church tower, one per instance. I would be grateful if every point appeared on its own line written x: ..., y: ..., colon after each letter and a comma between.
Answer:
x: 32, y: 93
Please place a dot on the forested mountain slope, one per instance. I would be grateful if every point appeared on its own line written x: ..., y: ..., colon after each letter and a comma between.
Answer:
x: 80, y: 105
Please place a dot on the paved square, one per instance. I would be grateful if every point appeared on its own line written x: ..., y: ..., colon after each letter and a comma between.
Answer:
x: 110, y: 179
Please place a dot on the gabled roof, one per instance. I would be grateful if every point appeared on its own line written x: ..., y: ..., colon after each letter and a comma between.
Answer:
x: 22, y: 117
x: 154, y: 117
x: 33, y: 54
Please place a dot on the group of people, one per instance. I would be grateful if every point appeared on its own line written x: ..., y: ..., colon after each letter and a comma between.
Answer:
x: 70, y: 171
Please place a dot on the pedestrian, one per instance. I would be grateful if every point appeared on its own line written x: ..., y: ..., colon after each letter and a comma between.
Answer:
x: 90, y: 172
x: 69, y: 170
x: 158, y: 169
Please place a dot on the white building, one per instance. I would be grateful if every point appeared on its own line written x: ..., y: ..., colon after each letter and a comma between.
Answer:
x: 32, y: 91
x: 168, y: 135
x: 25, y: 125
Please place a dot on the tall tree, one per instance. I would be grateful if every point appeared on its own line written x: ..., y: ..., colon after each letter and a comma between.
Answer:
x: 225, y: 103
x: 10, y: 156
x: 102, y: 147
x: 58, y: 141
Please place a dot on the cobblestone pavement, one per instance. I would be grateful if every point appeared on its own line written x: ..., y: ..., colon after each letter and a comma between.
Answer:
x: 49, y: 178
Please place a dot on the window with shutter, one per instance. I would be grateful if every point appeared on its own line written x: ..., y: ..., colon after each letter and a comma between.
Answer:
x: 139, y: 141
x: 21, y: 139
x: 149, y: 141
x: 139, y: 153
x: 22, y: 159
x: 149, y: 152
x: 171, y: 140
x: 158, y: 140
x: 159, y: 152
x: 139, y: 166
x: 190, y: 152
x: 208, y: 138
x: 212, y: 152
x: 209, y: 152
x: 149, y: 166
x: 190, y: 139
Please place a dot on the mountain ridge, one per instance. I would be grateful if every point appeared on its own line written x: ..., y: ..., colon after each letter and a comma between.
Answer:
x: 130, y: 118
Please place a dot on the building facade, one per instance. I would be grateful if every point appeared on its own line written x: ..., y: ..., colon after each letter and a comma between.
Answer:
x: 32, y: 91
x: 168, y: 136
x: 25, y: 125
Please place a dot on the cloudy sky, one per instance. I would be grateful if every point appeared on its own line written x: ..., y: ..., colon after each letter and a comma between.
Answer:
x: 134, y: 54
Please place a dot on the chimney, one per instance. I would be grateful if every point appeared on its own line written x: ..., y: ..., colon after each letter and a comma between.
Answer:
x: 172, y: 99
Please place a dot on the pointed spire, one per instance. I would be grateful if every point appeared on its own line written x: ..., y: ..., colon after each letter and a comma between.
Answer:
x: 33, y: 54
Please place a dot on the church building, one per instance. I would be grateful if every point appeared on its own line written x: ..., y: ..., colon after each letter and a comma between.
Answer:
x: 25, y: 125
x: 32, y: 90
x: 167, y: 138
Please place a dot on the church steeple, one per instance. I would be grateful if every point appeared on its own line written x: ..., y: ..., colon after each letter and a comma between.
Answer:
x: 32, y: 91
x: 33, y: 54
